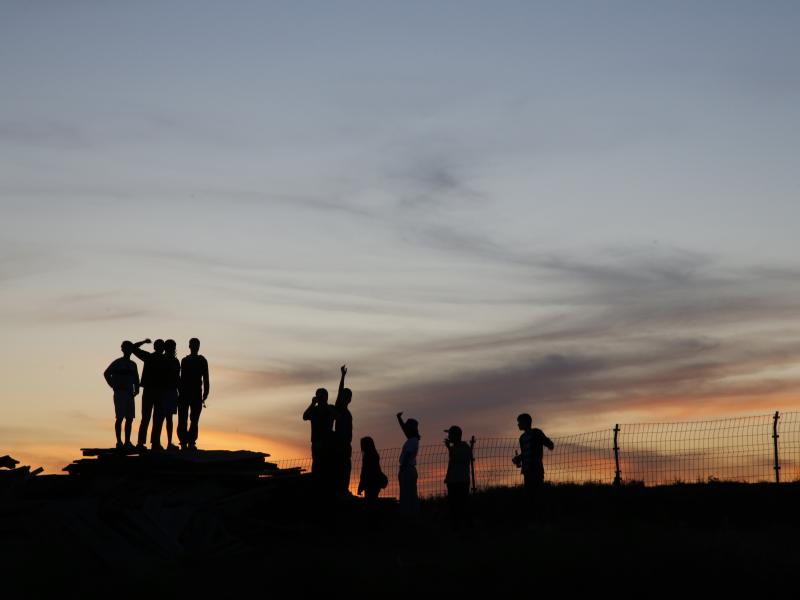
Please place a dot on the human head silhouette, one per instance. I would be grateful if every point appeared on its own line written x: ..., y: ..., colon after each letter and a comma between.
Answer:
x: 524, y: 421
x: 343, y: 400
x: 411, y: 428
x: 368, y: 446
x: 454, y: 433
x: 127, y: 348
x: 321, y: 396
x: 170, y: 347
x: 194, y: 345
x: 158, y: 346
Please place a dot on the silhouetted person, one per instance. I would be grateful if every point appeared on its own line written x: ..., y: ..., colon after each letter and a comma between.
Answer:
x: 323, y: 447
x: 195, y: 387
x: 531, y: 443
x: 407, y: 476
x: 149, y: 383
x: 373, y: 479
x: 457, y: 477
x: 169, y: 396
x: 122, y: 376
x: 153, y: 383
x: 343, y: 436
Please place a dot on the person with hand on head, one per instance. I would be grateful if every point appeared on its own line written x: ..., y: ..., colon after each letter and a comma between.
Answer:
x: 407, y: 475
x: 122, y: 376
x: 153, y: 382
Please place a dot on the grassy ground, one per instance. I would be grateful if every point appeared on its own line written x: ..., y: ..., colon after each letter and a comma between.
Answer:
x: 629, y: 541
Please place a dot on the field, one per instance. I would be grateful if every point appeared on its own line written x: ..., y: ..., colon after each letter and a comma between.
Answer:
x: 198, y: 539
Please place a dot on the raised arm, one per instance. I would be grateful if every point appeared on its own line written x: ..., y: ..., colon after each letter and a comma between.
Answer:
x: 309, y: 411
x: 400, y: 420
x: 138, y: 352
x: 341, y: 384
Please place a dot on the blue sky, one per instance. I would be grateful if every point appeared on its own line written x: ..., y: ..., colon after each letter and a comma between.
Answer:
x: 584, y: 210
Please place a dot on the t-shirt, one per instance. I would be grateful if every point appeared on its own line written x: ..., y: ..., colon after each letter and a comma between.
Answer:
x: 532, y: 443
x: 459, y: 463
x: 172, y: 372
x: 344, y: 425
x: 321, y: 417
x: 122, y: 375
x: 408, y: 455
x: 194, y: 369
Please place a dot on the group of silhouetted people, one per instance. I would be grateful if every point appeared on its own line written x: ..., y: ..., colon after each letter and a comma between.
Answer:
x: 170, y: 387
x: 331, y: 453
x: 331, y: 440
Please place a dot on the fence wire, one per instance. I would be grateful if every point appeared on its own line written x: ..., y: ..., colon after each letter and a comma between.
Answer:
x: 735, y: 449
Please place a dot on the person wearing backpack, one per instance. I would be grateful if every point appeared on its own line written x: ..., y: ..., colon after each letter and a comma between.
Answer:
x: 373, y: 479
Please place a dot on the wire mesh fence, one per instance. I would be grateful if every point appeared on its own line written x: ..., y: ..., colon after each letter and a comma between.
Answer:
x: 736, y: 449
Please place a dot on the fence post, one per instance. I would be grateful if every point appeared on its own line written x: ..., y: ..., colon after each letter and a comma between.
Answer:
x: 617, y: 474
x: 472, y: 462
x: 775, y: 445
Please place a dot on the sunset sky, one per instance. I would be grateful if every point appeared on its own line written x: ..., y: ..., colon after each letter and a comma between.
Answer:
x: 588, y: 211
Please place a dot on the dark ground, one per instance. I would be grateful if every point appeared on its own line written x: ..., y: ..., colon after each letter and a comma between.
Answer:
x: 64, y: 537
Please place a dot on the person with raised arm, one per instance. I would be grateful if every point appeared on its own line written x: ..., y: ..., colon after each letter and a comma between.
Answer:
x: 122, y: 376
x: 407, y: 475
x: 195, y: 388
x: 343, y: 434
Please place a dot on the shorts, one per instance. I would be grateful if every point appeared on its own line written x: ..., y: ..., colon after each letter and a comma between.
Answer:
x: 169, y: 402
x: 124, y: 407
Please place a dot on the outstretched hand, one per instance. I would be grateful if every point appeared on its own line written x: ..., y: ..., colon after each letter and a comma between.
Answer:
x: 400, y: 414
x: 344, y: 370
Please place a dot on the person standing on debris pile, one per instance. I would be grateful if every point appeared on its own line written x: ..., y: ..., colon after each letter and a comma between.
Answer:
x: 122, y: 376
x: 343, y: 435
x: 457, y: 477
x: 194, y: 391
x: 153, y: 382
x: 169, y: 396
x: 531, y: 443
x: 323, y: 446
x: 407, y: 475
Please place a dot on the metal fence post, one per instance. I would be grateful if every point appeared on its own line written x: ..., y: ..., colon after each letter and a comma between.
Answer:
x: 472, y: 462
x: 617, y: 474
x: 775, y: 445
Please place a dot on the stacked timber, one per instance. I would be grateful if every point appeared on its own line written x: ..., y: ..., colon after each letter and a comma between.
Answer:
x: 202, y: 464
x: 12, y: 477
